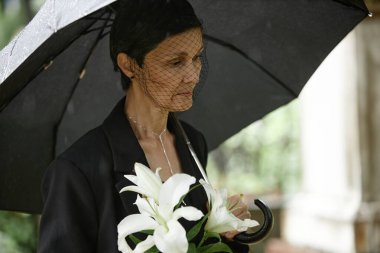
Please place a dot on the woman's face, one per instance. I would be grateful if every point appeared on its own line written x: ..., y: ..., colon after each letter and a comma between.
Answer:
x: 172, y: 69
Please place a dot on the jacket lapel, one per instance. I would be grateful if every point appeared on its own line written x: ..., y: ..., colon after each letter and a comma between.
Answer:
x: 126, y: 151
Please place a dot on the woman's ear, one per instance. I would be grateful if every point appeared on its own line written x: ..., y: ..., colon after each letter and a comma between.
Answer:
x: 125, y: 64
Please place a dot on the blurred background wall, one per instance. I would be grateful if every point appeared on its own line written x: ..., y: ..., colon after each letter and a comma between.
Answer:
x: 338, y: 206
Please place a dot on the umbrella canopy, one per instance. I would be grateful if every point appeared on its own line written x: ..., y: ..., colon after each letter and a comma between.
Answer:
x: 57, y: 79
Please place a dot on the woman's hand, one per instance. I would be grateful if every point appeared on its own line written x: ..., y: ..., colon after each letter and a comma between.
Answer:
x: 239, y: 209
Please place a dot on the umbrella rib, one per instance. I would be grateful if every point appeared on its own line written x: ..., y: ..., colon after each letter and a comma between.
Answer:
x: 97, y: 28
x: 100, y: 18
x: 234, y: 48
x: 351, y: 4
x: 110, y: 6
x: 105, y: 34
x: 81, y: 73
x: 44, y: 66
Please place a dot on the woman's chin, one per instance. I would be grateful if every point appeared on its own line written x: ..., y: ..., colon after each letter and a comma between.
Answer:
x: 182, y: 108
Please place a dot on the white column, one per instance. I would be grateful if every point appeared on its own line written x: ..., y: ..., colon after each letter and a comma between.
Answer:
x: 367, y: 225
x: 336, y: 209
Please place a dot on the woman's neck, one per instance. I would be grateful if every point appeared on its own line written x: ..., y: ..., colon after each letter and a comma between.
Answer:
x: 147, y: 119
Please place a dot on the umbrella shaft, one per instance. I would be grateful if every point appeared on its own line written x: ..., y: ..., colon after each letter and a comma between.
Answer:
x: 200, y: 167
x: 190, y: 147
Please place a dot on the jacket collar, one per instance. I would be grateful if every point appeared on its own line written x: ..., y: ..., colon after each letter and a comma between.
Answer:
x: 126, y: 150
x: 125, y: 147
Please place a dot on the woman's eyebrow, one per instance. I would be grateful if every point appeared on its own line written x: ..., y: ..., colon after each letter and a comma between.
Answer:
x: 182, y: 53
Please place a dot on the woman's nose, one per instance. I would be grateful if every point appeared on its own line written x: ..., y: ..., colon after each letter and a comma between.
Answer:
x: 192, y: 74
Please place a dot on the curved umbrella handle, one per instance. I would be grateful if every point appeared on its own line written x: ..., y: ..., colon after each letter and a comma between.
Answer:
x: 266, y: 228
x: 244, y: 237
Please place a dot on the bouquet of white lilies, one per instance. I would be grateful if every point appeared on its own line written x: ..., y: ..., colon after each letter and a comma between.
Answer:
x: 161, y: 205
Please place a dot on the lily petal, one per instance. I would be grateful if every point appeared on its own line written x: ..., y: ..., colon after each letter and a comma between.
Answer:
x: 146, y: 182
x: 132, y: 178
x: 172, y: 240
x: 131, y: 224
x: 207, y: 187
x: 245, y: 224
x: 146, y: 206
x: 134, y: 188
x: 221, y: 219
x: 144, y: 245
x: 172, y: 191
x: 151, y: 180
x: 188, y: 213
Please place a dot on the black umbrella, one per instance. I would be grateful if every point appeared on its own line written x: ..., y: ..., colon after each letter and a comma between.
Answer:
x: 260, y: 53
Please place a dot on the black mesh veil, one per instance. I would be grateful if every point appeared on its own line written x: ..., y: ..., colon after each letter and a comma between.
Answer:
x: 164, y: 48
x: 173, y: 73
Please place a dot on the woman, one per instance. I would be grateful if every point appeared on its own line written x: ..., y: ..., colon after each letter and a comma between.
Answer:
x: 156, y: 45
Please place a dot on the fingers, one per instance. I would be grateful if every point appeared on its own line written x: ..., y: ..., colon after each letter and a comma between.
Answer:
x: 230, y: 234
x: 238, y: 207
x: 243, y: 215
x: 233, y: 201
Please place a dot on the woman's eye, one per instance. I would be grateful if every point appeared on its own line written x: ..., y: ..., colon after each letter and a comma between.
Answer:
x: 176, y: 63
x: 197, y: 57
x: 180, y: 62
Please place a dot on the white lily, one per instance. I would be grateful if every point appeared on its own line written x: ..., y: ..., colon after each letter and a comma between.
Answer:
x: 131, y: 224
x: 146, y: 182
x: 220, y: 218
x: 157, y: 212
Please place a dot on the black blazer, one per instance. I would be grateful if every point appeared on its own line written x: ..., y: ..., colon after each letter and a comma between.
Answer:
x: 82, y: 204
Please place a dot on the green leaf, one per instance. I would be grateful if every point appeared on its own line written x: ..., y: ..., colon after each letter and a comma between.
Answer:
x: 197, y: 227
x: 147, y: 232
x: 217, y: 247
x: 212, y: 235
x: 152, y: 250
x: 184, y: 196
x: 134, y: 239
x: 192, y: 248
x: 208, y: 235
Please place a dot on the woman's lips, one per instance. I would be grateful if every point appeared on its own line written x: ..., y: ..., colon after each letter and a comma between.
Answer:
x: 185, y: 94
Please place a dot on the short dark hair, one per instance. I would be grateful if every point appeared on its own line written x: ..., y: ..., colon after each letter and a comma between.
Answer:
x: 140, y: 25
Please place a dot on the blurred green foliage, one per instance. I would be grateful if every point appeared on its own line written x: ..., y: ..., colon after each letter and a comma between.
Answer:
x: 18, y: 232
x: 263, y: 158
x: 14, y: 15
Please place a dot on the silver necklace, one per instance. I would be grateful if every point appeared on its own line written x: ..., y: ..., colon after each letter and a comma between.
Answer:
x: 160, y: 137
